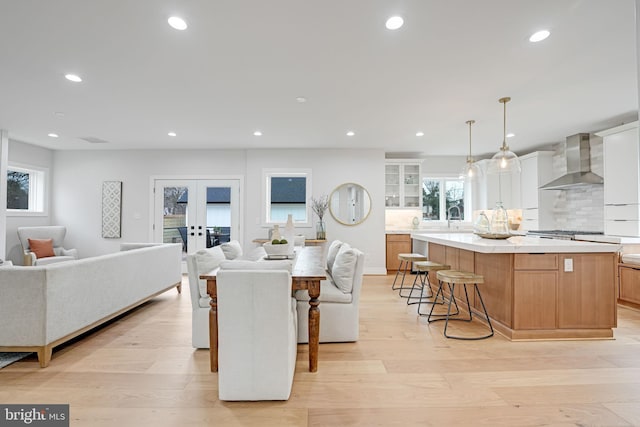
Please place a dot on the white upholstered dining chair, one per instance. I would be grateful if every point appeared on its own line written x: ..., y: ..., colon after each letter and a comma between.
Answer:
x: 339, y: 297
x: 257, y: 331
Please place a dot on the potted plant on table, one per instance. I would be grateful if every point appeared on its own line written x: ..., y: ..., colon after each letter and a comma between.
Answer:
x: 320, y: 206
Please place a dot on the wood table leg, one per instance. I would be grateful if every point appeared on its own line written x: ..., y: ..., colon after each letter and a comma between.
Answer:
x: 213, y: 329
x: 314, y: 325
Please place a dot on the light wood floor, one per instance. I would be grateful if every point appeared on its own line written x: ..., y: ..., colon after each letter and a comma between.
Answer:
x: 142, y: 371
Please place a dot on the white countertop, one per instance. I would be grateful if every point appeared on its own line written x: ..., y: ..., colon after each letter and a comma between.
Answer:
x: 426, y: 230
x: 514, y: 244
x: 609, y: 239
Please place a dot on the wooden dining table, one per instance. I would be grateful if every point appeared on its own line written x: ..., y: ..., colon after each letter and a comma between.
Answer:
x: 308, y: 271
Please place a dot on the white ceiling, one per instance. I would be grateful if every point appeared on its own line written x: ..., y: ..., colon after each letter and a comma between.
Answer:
x: 241, y: 64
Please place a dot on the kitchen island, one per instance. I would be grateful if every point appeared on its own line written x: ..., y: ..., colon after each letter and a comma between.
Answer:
x: 537, y: 288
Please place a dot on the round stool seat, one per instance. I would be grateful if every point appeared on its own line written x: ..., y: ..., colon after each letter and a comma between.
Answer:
x: 453, y: 276
x: 463, y: 278
x: 412, y: 257
x: 429, y: 266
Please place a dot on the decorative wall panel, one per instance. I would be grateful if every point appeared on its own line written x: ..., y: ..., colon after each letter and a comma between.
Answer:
x: 111, y: 209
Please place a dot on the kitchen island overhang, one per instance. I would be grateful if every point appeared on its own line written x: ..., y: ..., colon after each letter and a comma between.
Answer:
x: 537, y: 288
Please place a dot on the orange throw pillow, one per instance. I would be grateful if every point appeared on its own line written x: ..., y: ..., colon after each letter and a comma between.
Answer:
x: 42, y: 248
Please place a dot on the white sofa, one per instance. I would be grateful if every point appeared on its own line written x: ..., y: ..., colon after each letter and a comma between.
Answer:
x: 339, y: 297
x: 44, y: 306
x: 257, y: 330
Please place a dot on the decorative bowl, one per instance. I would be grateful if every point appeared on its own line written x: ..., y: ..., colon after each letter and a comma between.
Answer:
x: 278, y: 250
x: 492, y: 236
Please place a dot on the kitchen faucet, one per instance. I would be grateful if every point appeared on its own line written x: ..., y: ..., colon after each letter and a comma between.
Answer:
x: 450, y: 217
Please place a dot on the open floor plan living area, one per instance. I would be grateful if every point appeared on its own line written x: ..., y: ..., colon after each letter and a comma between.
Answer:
x: 285, y: 213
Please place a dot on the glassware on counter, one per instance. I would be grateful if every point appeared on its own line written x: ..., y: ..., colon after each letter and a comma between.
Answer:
x: 500, y: 220
x: 481, y: 225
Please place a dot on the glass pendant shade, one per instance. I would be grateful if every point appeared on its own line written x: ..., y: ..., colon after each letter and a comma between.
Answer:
x: 471, y: 170
x: 505, y: 160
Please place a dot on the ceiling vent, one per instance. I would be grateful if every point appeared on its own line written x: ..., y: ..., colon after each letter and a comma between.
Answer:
x: 93, y: 140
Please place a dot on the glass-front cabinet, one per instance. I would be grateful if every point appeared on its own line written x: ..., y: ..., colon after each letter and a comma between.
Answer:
x: 402, y: 184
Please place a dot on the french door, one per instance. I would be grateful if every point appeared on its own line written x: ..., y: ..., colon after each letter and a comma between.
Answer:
x: 198, y: 213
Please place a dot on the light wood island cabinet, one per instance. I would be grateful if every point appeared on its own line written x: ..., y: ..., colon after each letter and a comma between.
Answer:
x: 541, y: 294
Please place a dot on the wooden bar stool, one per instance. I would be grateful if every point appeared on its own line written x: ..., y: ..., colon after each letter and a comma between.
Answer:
x: 453, y: 278
x: 406, y: 260
x: 424, y: 267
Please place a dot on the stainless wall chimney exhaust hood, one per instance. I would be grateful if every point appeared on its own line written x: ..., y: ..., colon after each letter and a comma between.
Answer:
x: 579, y: 173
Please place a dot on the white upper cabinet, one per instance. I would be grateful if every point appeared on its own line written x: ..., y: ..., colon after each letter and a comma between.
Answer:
x: 403, y: 186
x: 537, y: 170
x: 491, y: 188
x: 621, y: 161
x: 621, y: 180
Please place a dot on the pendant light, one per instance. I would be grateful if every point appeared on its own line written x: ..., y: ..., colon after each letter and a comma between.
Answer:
x: 471, y: 170
x: 505, y: 160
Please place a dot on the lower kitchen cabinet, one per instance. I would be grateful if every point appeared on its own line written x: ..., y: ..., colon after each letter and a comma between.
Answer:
x: 587, y: 286
x: 535, y: 284
x: 534, y: 299
x: 397, y: 244
x: 630, y: 285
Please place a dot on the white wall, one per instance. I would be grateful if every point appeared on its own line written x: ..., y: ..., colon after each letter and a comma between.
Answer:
x: 77, y: 189
x: 330, y: 168
x: 30, y: 155
x: 78, y: 177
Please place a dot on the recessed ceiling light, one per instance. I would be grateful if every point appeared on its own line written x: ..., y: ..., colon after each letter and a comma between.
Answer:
x: 301, y: 99
x: 394, y: 22
x: 73, y: 78
x: 350, y: 133
x: 172, y: 134
x: 539, y: 36
x: 58, y: 114
x: 511, y: 135
x: 177, y: 23
x: 257, y: 133
x: 52, y: 135
x: 419, y: 133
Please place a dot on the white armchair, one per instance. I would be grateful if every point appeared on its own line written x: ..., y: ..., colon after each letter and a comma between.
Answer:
x: 198, y: 263
x: 339, y: 297
x: 54, y: 232
x: 257, y: 331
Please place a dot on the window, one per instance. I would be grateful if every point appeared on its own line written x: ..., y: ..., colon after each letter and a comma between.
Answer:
x: 25, y: 190
x: 286, y: 192
x: 443, y: 199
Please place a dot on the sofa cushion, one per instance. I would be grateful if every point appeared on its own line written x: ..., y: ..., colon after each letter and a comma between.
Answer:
x: 631, y: 259
x: 207, y: 260
x: 54, y: 260
x: 331, y: 253
x: 232, y: 249
x: 328, y: 293
x: 43, y: 248
x: 256, y: 265
x: 344, y: 268
x: 256, y: 254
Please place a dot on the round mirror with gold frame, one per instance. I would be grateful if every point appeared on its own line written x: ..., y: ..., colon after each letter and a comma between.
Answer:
x: 350, y: 204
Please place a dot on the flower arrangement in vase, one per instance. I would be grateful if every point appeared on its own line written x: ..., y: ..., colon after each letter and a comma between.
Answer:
x: 320, y: 206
